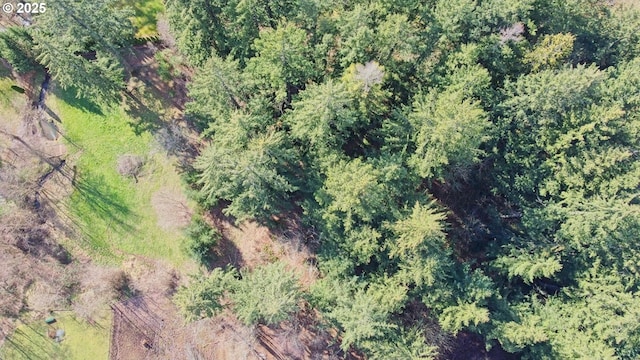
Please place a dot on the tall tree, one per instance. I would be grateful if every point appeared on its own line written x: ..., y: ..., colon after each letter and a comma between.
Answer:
x: 199, y: 27
x: 364, y: 315
x: 248, y: 172
x: 16, y: 46
x: 323, y: 116
x: 449, y: 131
x: 282, y: 64
x: 79, y: 41
x: 354, y: 193
x: 357, y: 27
x: 218, y: 89
x: 269, y: 294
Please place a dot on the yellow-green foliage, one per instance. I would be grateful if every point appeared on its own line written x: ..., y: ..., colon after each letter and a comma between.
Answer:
x: 550, y: 51
x: 146, y: 16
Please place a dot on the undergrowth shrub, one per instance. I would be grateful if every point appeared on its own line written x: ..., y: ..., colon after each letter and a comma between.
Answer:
x: 201, y: 239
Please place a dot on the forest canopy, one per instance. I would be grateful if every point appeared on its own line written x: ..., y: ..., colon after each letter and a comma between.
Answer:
x: 460, y: 166
x: 477, y: 157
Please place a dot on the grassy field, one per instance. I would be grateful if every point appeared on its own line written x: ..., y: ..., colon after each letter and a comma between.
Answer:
x: 115, y: 212
x: 146, y: 16
x: 81, y: 341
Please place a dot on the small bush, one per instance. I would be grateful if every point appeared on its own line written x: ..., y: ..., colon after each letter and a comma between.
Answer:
x: 167, y: 64
x: 121, y: 284
x: 202, y: 238
x: 130, y: 165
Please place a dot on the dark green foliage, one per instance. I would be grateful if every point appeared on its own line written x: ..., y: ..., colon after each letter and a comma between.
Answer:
x: 16, y: 46
x: 198, y: 28
x: 323, y: 116
x: 476, y: 158
x: 79, y: 43
x: 363, y: 315
x: 268, y: 295
x: 217, y: 90
x: 282, y: 63
x: 598, y: 318
x: 201, y: 239
x: 202, y: 298
x: 223, y: 28
x: 354, y: 193
x: 245, y: 172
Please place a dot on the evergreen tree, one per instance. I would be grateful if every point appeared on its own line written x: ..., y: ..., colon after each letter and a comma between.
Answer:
x: 79, y: 41
x: 248, y: 172
x: 353, y: 194
x: 269, y: 294
x: 364, y: 315
x: 199, y: 27
x: 218, y: 89
x: 202, y: 298
x: 282, y: 63
x: 521, y: 117
x: 323, y: 116
x: 16, y: 46
x: 449, y: 132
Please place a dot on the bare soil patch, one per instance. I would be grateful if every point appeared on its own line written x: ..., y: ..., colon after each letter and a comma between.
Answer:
x: 470, y: 346
x: 145, y: 67
x: 251, y: 244
x: 172, y: 208
x: 150, y: 276
x: 148, y: 327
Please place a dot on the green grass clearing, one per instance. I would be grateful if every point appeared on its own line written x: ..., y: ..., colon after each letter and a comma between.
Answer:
x: 115, y: 212
x: 146, y: 16
x: 81, y: 341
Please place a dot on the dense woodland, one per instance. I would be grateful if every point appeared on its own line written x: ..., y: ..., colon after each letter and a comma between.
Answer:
x: 457, y: 165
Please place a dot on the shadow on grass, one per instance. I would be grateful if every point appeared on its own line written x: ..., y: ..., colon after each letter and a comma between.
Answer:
x: 83, y: 103
x: 31, y: 343
x: 145, y: 119
x: 17, y: 89
x: 104, y: 203
x: 5, y: 72
x: 52, y: 114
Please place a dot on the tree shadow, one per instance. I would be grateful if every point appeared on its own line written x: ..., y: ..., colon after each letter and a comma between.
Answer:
x: 23, y: 350
x: 5, y: 70
x: 17, y: 89
x: 174, y: 140
x: 225, y: 253
x: 50, y: 112
x: 70, y: 97
x: 105, y: 203
x: 28, y: 346
x: 145, y: 119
